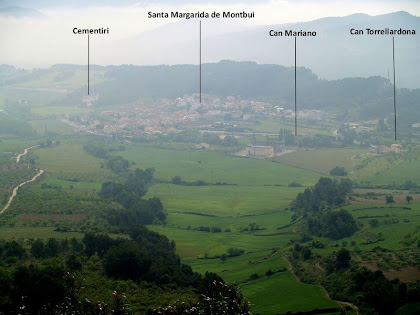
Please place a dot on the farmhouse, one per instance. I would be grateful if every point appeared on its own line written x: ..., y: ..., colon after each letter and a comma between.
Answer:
x: 202, y: 146
x: 260, y: 150
x: 395, y: 147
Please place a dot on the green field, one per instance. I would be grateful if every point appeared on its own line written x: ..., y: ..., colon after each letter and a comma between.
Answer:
x: 322, y: 161
x: 305, y: 127
x: 224, y: 200
x: 15, y: 145
x: 405, y: 170
x: 281, y: 293
x: 67, y: 158
x: 60, y: 110
x: 77, y: 79
x: 66, y: 184
x: 214, y: 167
x: 69, y: 161
x: 36, y: 98
x: 50, y: 125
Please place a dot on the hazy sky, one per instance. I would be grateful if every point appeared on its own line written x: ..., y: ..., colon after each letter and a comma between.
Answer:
x: 43, y: 35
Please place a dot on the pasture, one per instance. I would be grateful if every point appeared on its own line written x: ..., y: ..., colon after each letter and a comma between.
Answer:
x: 49, y: 125
x: 67, y: 158
x: 75, y: 79
x: 15, y: 145
x: 60, y: 110
x: 282, y: 293
x: 403, y: 171
x: 224, y: 200
x: 213, y: 167
x: 323, y: 160
x: 305, y: 126
x: 71, y: 162
x: 34, y: 97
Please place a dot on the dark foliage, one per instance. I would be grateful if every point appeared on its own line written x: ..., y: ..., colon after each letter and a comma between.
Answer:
x: 332, y: 224
x: 343, y: 258
x: 136, y: 210
x: 326, y: 193
x: 31, y: 286
x: 338, y: 171
x: 126, y: 261
x: 371, y: 291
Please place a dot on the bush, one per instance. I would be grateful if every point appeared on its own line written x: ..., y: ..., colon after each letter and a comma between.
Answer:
x: 338, y: 171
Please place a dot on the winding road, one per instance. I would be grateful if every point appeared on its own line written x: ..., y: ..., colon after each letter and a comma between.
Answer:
x: 14, y: 193
x: 25, y: 152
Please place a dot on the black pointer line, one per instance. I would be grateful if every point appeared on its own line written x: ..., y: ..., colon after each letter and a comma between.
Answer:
x: 88, y: 66
x: 395, y: 102
x: 295, y: 94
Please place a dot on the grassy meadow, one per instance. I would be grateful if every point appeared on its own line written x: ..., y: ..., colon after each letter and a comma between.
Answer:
x: 75, y: 79
x: 60, y: 110
x: 224, y: 200
x: 323, y: 160
x: 403, y: 171
x: 213, y: 167
x: 305, y: 126
x: 43, y: 126
x: 70, y: 161
x: 36, y: 97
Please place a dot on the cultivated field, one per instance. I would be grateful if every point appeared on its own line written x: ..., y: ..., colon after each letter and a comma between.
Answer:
x: 213, y: 167
x: 323, y: 160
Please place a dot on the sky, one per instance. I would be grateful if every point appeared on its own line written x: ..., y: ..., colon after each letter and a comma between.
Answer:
x: 41, y: 34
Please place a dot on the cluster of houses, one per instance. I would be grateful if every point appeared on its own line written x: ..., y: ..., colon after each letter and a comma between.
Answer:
x: 383, y: 149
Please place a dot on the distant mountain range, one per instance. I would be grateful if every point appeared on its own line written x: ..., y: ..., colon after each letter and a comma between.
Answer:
x: 332, y: 54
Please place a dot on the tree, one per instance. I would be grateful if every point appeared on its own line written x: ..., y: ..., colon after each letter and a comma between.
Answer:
x: 343, y: 258
x: 126, y: 261
x: 332, y: 224
x: 389, y: 199
x: 38, y: 248
x: 408, y: 198
x: 306, y: 253
x: 338, y: 171
x: 326, y: 192
x: 177, y: 180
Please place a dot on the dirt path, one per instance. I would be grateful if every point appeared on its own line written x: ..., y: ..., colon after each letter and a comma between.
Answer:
x: 326, y: 292
x: 16, y: 189
x: 14, y: 193
x: 25, y: 152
